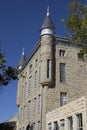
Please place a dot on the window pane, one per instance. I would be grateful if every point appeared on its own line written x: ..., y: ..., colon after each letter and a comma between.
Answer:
x: 79, y: 122
x: 48, y: 68
x: 63, y: 98
x: 39, y: 103
x: 55, y: 125
x: 49, y: 126
x: 62, y: 124
x: 62, y: 72
x: 70, y: 123
x: 28, y: 110
x: 62, y: 52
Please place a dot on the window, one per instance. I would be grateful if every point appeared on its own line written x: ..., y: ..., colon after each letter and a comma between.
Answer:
x: 49, y: 126
x: 24, y: 115
x: 30, y: 84
x: 79, y: 122
x: 38, y: 125
x: 62, y: 72
x: 23, y: 93
x: 70, y: 123
x: 25, y: 90
x: 35, y: 79
x: 36, y: 62
x: 28, y: 109
x: 63, y: 98
x: 62, y: 52
x: 30, y: 67
x: 34, y: 104
x: 62, y: 124
x: 34, y: 126
x: 20, y: 114
x: 39, y: 75
x: 39, y: 103
x: 55, y: 125
x: 48, y: 68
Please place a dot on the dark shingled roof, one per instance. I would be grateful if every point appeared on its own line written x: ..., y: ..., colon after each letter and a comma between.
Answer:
x: 48, y: 23
x: 22, y: 60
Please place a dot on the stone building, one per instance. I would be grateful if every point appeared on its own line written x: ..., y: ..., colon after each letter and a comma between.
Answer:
x: 53, y: 75
x: 72, y: 116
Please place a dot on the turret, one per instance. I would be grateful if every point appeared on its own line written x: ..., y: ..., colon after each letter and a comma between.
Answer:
x: 47, y: 32
x: 22, y: 60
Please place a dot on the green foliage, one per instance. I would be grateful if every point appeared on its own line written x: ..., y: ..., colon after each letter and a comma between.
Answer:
x: 7, y: 73
x: 77, y: 24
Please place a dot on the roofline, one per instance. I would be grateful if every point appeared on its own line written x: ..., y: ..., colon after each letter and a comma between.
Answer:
x: 31, y: 54
x: 38, y: 45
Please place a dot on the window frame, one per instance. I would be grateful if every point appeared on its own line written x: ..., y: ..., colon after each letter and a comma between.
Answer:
x: 48, y: 68
x: 63, y: 96
x: 63, y: 72
x: 62, y: 53
x: 79, y: 121
x: 70, y: 123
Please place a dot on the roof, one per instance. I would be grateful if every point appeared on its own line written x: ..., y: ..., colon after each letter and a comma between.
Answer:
x: 48, y: 22
x: 22, y: 59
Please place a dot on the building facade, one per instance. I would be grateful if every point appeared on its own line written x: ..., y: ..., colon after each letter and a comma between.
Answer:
x: 53, y: 75
x: 72, y: 116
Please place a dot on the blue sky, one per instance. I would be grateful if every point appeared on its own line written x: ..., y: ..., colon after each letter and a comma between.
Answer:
x: 20, y: 22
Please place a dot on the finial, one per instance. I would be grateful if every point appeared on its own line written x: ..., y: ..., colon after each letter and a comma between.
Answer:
x: 48, y: 11
x: 23, y: 51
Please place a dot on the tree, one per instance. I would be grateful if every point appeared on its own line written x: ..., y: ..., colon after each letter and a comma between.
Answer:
x: 7, y: 73
x: 77, y: 24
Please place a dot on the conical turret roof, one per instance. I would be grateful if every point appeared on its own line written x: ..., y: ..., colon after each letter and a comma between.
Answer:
x: 22, y: 59
x: 48, y: 24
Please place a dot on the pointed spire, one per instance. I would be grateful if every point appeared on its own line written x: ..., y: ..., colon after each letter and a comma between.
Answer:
x: 47, y: 26
x: 48, y: 11
x: 23, y: 51
x: 22, y: 59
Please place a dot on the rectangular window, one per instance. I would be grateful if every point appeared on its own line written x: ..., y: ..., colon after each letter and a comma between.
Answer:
x: 39, y: 103
x: 39, y: 75
x: 62, y: 124
x: 70, y: 123
x: 35, y: 79
x: 55, y: 125
x: 34, y: 126
x: 62, y: 72
x: 48, y: 68
x: 62, y: 52
x: 25, y: 90
x: 23, y: 93
x: 24, y: 115
x: 34, y: 104
x: 79, y: 122
x: 49, y: 126
x: 30, y: 84
x: 63, y: 98
x: 38, y: 125
x: 20, y: 114
x: 28, y: 109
